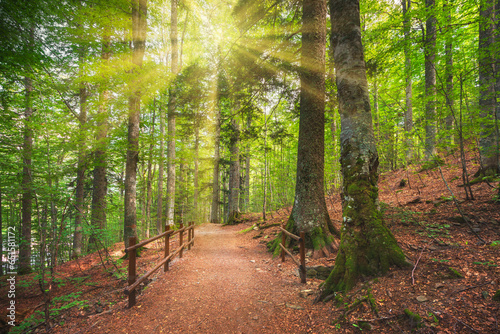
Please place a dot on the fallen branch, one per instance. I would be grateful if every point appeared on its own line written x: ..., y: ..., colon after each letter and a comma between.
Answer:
x: 415, y: 267
x: 470, y: 288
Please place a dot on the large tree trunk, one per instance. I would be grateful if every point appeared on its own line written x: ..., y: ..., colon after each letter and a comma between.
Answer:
x: 139, y: 27
x: 367, y: 246
x: 408, y: 125
x: 100, y: 183
x: 27, y: 180
x: 214, y: 212
x: 487, y: 105
x: 171, y: 119
x: 234, y: 175
x: 309, y: 213
x: 430, y: 81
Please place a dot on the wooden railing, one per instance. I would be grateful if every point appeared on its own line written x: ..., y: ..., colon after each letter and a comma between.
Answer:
x: 302, y: 251
x: 132, y: 281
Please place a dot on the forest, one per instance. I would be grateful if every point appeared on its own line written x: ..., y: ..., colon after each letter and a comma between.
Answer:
x: 122, y: 118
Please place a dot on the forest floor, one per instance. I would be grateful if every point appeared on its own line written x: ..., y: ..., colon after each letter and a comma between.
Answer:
x: 229, y: 283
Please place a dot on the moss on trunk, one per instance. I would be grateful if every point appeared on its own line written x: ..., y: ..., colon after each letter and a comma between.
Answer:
x: 319, y: 239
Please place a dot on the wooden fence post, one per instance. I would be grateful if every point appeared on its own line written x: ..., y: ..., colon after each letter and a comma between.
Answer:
x: 302, y: 250
x: 131, y: 271
x: 189, y: 236
x: 283, y: 241
x: 192, y: 234
x: 181, y: 238
x: 167, y: 248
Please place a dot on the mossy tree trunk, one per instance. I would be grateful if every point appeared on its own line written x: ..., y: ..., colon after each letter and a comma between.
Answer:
x: 367, y: 246
x: 309, y: 213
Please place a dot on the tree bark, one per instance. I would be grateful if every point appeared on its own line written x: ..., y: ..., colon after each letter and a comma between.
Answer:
x: 234, y: 175
x: 171, y: 119
x: 27, y: 179
x: 161, y: 159
x: 196, y: 163
x: 214, y: 212
x: 367, y: 246
x: 139, y: 27
x: 408, y: 125
x: 430, y: 80
x: 309, y: 213
x: 82, y: 164
x: 100, y: 182
x: 149, y: 190
x: 450, y: 101
x: 488, y: 140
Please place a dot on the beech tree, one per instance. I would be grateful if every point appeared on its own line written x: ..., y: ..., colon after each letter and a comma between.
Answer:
x: 139, y: 26
x: 171, y: 117
x: 367, y: 246
x: 309, y: 213
x: 487, y: 105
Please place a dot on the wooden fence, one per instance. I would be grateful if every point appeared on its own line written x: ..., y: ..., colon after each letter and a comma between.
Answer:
x: 133, y: 245
x: 302, y: 251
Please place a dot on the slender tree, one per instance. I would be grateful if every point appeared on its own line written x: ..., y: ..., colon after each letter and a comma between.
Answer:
x: 27, y: 179
x: 234, y: 174
x: 139, y: 27
x: 171, y: 117
x: 214, y: 211
x: 82, y: 161
x: 447, y: 6
x: 430, y: 79
x: 367, y: 246
x: 161, y: 159
x: 408, y: 125
x: 100, y: 182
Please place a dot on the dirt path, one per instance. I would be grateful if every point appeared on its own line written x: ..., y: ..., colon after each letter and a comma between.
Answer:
x: 225, y: 284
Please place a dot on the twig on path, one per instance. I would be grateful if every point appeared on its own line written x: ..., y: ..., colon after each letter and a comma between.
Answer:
x: 415, y: 267
x: 470, y: 288
x: 380, y: 319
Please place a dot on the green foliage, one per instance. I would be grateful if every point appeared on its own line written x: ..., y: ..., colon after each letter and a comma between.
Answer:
x: 415, y: 318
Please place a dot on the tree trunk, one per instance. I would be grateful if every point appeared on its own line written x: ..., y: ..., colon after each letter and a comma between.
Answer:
x: 408, y: 125
x: 82, y: 164
x: 161, y: 159
x: 100, y: 183
x: 27, y: 180
x: 214, y: 212
x: 448, y: 5
x: 309, y: 213
x: 1, y: 229
x: 488, y: 140
x: 171, y: 119
x: 234, y: 175
x: 139, y: 27
x: 367, y: 246
x: 149, y: 190
x: 196, y: 154
x: 430, y: 80
x: 247, y: 169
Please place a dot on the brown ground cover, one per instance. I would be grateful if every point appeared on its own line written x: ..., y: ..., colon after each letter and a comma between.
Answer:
x: 229, y: 283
